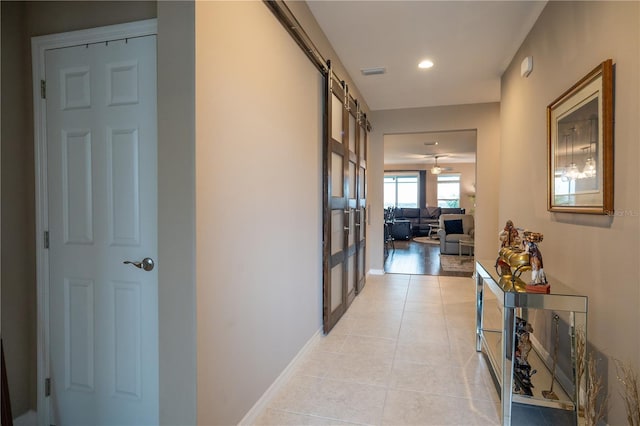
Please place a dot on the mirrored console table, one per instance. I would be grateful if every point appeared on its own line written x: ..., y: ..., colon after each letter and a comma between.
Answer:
x: 500, y: 305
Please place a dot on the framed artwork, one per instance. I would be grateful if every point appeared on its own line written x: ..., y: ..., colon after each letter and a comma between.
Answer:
x: 580, y: 145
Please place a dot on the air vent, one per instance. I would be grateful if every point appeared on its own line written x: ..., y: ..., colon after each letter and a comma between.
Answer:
x: 373, y: 71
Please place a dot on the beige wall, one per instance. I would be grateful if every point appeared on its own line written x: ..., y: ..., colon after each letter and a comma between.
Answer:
x: 313, y: 30
x: 485, y: 118
x: 21, y: 21
x: 50, y: 17
x: 467, y: 181
x: 596, y: 255
x: 258, y: 204
x: 18, y: 259
x: 259, y: 201
x: 176, y: 212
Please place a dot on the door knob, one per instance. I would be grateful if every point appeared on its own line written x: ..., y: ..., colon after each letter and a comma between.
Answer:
x: 147, y: 264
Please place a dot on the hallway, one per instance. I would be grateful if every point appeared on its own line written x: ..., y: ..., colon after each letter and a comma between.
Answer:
x: 404, y: 353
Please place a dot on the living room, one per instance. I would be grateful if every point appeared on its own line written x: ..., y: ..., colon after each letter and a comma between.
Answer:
x: 426, y: 175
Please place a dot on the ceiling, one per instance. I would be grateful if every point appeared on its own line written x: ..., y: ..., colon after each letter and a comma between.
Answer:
x: 421, y: 148
x: 470, y: 42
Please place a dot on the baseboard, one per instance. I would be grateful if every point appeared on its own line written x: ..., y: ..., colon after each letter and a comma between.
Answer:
x: 375, y: 272
x: 30, y: 418
x: 279, y: 382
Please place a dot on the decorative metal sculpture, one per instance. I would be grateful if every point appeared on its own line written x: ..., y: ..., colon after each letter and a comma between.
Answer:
x: 522, y: 371
x: 509, y: 241
x: 517, y: 255
x: 538, y: 282
x: 550, y: 394
x: 509, y: 236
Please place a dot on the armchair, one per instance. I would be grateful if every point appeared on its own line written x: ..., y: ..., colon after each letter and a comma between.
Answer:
x: 453, y: 228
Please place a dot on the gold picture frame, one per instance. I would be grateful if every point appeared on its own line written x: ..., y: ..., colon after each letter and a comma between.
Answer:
x: 580, y: 145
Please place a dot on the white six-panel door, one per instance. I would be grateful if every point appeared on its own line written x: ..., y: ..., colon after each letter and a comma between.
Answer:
x: 102, y: 160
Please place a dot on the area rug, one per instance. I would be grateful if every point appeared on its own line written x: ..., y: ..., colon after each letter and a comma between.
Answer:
x: 452, y: 263
x: 426, y: 240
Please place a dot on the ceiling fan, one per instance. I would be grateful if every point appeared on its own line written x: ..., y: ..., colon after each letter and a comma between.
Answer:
x: 436, y: 169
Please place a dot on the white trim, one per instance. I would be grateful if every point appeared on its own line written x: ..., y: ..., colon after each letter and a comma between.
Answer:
x: 39, y: 45
x: 30, y: 418
x: 262, y: 403
x: 376, y: 272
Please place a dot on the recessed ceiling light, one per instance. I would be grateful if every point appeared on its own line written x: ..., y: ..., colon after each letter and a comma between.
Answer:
x: 425, y: 64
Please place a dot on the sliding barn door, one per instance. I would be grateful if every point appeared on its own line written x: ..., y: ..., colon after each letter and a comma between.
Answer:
x: 344, y: 230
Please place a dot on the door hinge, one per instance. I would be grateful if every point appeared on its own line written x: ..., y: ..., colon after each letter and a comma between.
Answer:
x: 43, y: 89
x: 46, y: 239
x: 47, y: 386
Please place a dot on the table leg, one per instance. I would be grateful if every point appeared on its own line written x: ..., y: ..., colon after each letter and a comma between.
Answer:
x: 479, y: 311
x: 508, y: 348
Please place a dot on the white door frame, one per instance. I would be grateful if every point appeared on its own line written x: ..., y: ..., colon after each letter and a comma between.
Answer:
x: 39, y: 45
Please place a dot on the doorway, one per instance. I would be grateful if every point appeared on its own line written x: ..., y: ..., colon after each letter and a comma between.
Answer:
x: 96, y: 137
x: 426, y: 172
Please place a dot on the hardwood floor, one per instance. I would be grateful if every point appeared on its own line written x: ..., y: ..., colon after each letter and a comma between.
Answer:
x: 410, y: 257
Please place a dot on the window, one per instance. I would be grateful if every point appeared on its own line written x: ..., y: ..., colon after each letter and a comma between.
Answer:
x: 401, y: 190
x: 449, y: 190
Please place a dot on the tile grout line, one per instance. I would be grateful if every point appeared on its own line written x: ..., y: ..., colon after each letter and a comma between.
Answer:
x: 325, y: 378
x: 484, y: 383
x: 320, y: 417
x: 387, y: 385
x: 395, y: 351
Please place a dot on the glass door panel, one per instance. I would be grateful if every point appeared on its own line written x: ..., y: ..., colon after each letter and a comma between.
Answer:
x: 336, y: 287
x: 351, y: 286
x: 337, y: 175
x: 352, y: 133
x: 336, y: 118
x: 352, y: 180
x: 337, y: 231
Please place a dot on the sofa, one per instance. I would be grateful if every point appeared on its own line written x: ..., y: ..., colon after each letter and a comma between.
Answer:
x: 453, y: 228
x: 420, y: 219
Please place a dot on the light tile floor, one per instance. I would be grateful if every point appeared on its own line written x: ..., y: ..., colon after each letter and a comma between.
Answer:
x: 403, y: 354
